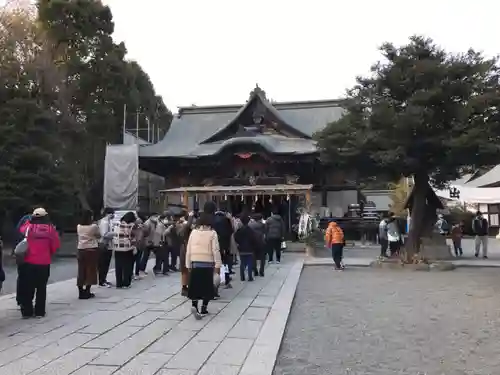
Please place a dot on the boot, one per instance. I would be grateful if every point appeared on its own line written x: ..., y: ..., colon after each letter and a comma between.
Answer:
x: 87, y: 291
x: 82, y: 293
x: 203, y: 311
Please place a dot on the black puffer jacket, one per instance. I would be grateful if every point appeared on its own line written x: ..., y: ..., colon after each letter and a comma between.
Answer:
x: 275, y: 228
x: 224, y: 228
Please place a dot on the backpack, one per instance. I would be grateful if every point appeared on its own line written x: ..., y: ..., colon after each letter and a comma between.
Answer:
x: 444, y: 226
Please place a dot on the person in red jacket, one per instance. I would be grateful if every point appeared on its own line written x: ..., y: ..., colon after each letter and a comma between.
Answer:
x: 43, y: 241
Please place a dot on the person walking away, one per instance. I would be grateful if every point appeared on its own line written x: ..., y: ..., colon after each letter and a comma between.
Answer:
x: 480, y: 228
x: 124, y: 245
x: 335, y: 240
x: 382, y: 237
x: 105, y: 253
x: 173, y: 240
x: 224, y: 228
x: 161, y: 253
x: 259, y: 227
x: 43, y: 241
x: 88, y: 255
x: 393, y: 234
x: 456, y: 237
x: 275, y: 235
x: 246, y: 240
x: 203, y: 261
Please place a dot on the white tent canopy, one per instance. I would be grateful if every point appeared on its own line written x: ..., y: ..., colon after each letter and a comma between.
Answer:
x: 472, y: 194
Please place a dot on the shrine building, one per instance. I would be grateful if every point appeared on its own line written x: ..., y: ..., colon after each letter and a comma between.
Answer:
x: 260, y: 155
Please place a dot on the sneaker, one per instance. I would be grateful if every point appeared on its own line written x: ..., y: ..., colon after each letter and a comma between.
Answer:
x: 204, y: 311
x: 338, y: 268
x: 278, y: 262
x: 196, y: 313
x: 229, y: 286
x: 476, y: 255
x: 485, y: 257
x: 252, y: 279
x: 143, y: 273
x: 106, y: 284
x: 127, y: 287
x: 271, y: 262
x: 40, y: 316
x: 136, y: 277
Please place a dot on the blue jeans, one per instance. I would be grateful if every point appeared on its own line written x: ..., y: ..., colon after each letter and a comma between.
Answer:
x: 246, y: 262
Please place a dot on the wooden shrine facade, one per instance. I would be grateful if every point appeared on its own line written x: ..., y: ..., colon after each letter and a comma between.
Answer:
x: 258, y: 148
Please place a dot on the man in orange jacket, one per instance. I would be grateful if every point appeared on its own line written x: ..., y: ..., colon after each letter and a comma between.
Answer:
x: 335, y: 240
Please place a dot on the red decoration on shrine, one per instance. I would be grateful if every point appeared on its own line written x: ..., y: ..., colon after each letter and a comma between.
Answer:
x: 245, y: 155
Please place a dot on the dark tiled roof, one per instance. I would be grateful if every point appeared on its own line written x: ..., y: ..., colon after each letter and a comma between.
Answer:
x: 194, y: 125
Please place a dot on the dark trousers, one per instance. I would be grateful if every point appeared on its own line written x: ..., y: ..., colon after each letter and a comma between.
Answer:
x: 33, y: 280
x: 124, y: 267
x: 337, y: 253
x: 103, y: 263
x: 457, y: 244
x: 161, y: 260
x: 143, y: 262
x: 384, y: 244
x: 259, y: 263
x: 227, y: 259
x: 274, y: 246
x: 394, y: 247
x: 137, y: 260
x: 173, y: 253
x: 17, y: 286
x: 246, y: 263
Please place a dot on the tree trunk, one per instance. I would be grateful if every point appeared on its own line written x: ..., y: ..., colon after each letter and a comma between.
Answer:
x: 418, y: 214
x: 84, y: 203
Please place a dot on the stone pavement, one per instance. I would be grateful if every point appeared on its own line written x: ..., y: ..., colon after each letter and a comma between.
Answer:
x: 148, y: 329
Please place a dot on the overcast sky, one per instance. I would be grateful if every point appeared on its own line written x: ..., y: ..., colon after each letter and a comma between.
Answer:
x: 214, y: 52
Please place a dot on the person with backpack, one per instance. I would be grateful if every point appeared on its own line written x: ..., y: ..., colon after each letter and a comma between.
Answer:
x: 480, y: 228
x: 275, y: 235
x: 442, y: 225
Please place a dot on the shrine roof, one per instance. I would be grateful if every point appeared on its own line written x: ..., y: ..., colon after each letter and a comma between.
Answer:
x: 194, y: 125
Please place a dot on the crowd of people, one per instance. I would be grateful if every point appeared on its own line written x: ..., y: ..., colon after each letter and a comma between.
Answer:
x: 200, y: 246
x: 390, y: 234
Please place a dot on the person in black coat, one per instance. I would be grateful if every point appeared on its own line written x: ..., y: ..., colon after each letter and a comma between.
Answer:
x: 259, y: 227
x: 247, y: 243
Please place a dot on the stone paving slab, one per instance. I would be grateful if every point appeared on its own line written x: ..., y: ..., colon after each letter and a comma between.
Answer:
x: 148, y: 329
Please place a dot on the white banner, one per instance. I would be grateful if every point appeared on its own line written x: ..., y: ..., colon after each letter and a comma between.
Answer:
x: 121, y: 177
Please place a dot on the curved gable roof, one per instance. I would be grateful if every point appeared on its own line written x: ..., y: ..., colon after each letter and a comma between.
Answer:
x: 194, y: 125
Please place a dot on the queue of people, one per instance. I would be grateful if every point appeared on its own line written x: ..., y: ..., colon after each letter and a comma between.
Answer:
x: 202, y: 245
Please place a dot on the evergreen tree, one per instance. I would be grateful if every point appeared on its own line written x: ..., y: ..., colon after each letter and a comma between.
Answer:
x: 422, y: 112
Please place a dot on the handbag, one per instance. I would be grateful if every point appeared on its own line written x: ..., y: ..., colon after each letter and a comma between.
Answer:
x: 21, y: 248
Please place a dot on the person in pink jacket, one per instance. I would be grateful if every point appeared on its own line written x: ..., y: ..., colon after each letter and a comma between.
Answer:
x: 43, y: 241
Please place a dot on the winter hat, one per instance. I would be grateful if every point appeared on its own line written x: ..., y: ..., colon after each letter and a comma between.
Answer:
x: 39, y: 212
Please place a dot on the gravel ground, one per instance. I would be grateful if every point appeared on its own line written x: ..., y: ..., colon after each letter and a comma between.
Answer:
x: 383, y: 322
